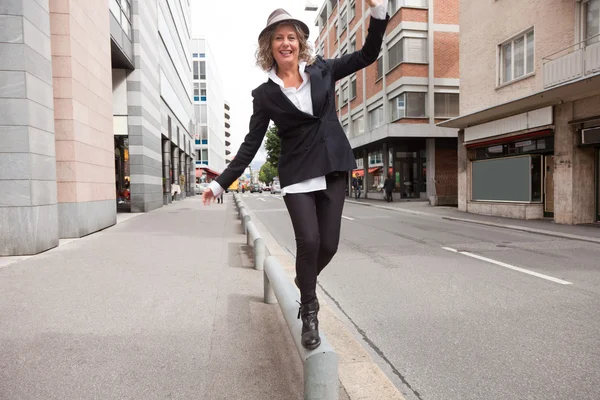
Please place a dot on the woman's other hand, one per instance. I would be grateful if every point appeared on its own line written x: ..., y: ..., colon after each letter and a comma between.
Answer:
x: 208, y: 197
x: 374, y: 3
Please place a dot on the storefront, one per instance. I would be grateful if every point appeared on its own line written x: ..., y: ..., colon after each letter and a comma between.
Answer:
x: 122, y: 174
x: 515, y: 170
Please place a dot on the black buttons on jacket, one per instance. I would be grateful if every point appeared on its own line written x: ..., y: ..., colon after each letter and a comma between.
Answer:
x: 306, y: 148
x: 322, y: 140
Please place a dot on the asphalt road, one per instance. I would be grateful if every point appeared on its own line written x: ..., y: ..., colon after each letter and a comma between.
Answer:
x: 456, y: 311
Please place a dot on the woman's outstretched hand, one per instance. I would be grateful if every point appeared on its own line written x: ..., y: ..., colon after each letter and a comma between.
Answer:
x: 374, y: 3
x: 208, y: 197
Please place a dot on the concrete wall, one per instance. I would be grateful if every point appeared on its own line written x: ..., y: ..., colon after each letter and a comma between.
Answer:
x: 82, y: 78
x: 487, y: 24
x: 28, y: 198
x: 574, y: 173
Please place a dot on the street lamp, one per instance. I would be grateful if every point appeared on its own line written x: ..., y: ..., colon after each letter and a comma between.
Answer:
x: 309, y: 6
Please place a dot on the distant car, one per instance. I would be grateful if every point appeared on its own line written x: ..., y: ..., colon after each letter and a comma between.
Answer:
x: 255, y: 187
x: 199, y: 188
x: 267, y: 188
x: 276, y: 188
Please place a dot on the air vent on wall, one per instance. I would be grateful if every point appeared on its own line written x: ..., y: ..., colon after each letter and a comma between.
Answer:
x: 590, y: 136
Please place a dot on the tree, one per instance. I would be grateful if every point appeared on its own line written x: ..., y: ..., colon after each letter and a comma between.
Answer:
x: 273, y: 146
x: 267, y: 173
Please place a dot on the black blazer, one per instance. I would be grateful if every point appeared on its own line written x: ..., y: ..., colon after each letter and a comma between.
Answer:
x: 311, y: 145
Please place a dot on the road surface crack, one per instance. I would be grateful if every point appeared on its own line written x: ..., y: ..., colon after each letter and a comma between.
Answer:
x: 373, y: 346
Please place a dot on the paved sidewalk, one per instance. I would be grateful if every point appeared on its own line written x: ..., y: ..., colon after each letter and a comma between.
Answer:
x: 165, y: 305
x: 545, y: 226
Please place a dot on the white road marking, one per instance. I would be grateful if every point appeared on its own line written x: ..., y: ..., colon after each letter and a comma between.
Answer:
x: 505, y: 265
x: 261, y: 199
x: 348, y: 218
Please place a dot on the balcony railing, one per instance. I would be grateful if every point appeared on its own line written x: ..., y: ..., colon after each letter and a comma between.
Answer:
x: 577, y: 61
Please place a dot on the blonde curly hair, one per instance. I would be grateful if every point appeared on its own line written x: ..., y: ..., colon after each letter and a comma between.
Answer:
x: 264, y: 53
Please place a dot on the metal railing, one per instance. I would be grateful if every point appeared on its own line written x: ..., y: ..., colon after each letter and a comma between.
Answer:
x: 321, y: 364
x: 573, y: 62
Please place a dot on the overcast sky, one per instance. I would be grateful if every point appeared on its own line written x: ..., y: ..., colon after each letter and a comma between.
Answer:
x: 232, y: 28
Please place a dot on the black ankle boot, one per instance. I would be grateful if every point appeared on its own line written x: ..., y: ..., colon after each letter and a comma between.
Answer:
x: 310, y: 324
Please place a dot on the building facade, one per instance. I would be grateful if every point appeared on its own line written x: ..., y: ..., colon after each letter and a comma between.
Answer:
x: 152, y: 102
x: 389, y: 110
x: 209, y: 112
x: 530, y: 109
x: 87, y: 102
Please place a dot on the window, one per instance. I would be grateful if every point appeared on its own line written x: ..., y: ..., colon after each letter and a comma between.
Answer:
x: 517, y: 58
x: 376, y: 117
x: 343, y: 21
x: 202, y: 69
x: 195, y: 69
x: 352, y: 12
x: 353, y: 93
x: 446, y: 105
x: 204, y: 155
x: 345, y: 128
x: 337, y: 31
x: 344, y: 94
x: 196, y: 92
x: 379, y: 68
x: 323, y: 19
x: 322, y: 50
x: 353, y: 44
x: 203, y: 114
x: 592, y: 23
x: 344, y: 51
x: 411, y: 50
x: 358, y: 126
x: 409, y: 104
x: 121, y: 10
x: 395, y: 5
x: 204, y: 134
x: 375, y: 158
x: 203, y: 91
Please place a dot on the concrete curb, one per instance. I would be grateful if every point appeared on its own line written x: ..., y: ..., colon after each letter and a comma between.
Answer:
x: 359, y: 375
x: 486, y: 223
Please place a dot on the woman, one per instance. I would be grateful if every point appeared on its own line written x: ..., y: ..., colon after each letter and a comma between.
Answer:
x: 315, y: 153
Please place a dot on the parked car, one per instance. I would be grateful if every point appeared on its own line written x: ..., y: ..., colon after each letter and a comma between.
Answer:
x: 267, y: 188
x: 255, y: 187
x: 276, y: 188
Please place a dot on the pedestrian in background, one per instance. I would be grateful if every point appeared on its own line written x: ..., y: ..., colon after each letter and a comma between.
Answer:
x: 388, y: 186
x: 299, y: 97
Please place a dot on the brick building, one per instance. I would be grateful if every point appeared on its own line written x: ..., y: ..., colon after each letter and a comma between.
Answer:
x: 390, y: 109
x: 529, y: 144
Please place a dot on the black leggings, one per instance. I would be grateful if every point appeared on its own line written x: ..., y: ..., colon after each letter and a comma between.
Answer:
x: 317, y: 218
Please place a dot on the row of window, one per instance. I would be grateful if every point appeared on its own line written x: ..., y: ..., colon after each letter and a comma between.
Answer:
x: 408, y: 105
x: 121, y: 10
x: 199, y: 55
x: 347, y: 15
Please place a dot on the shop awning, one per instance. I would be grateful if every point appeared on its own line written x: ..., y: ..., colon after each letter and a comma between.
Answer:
x: 208, y: 171
x: 361, y: 172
